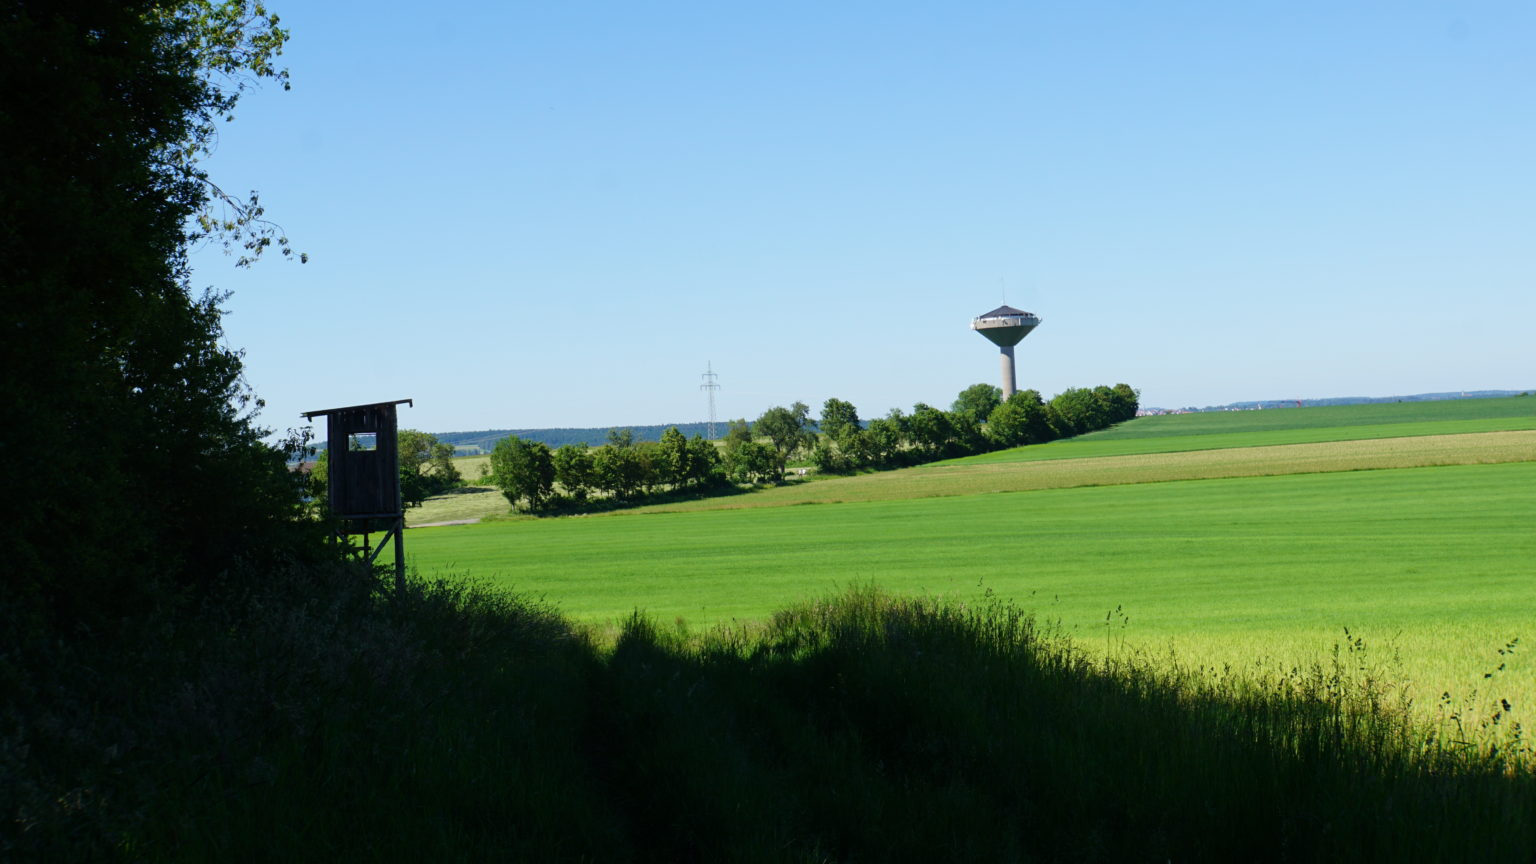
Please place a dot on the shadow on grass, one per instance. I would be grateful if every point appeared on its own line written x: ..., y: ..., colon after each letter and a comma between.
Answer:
x: 469, y: 489
x: 876, y: 728
x: 459, y: 724
x: 565, y: 506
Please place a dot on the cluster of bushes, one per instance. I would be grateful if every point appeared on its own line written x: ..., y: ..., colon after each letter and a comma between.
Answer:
x: 979, y: 421
x: 533, y: 476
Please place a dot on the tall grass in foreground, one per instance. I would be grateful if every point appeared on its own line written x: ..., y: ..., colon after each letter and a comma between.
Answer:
x: 890, y: 727
x: 456, y: 724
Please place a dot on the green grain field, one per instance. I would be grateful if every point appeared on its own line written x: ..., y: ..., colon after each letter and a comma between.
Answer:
x: 1336, y: 417
x: 1422, y: 546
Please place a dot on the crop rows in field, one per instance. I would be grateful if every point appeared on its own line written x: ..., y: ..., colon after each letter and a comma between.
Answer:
x: 1335, y: 417
x: 1092, y: 446
x: 970, y: 477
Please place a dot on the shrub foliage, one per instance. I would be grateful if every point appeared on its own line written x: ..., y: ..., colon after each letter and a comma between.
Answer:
x: 114, y: 367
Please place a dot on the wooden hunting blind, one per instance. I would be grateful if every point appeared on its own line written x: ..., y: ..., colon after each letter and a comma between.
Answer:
x: 363, y: 475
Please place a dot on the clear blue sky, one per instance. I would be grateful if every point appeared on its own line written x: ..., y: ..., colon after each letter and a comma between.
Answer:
x: 555, y: 214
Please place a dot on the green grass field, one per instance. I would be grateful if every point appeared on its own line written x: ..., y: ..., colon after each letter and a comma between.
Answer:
x: 1428, y: 558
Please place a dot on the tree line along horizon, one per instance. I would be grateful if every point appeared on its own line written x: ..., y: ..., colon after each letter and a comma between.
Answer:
x: 536, y: 478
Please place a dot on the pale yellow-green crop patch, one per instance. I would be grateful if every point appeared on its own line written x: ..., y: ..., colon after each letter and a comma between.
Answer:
x: 471, y: 466
x: 465, y: 504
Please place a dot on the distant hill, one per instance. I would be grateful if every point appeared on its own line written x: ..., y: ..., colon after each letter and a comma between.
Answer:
x: 473, y: 443
x: 1353, y: 400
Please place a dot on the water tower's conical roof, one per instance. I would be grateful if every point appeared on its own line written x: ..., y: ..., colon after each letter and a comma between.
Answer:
x: 1003, y: 311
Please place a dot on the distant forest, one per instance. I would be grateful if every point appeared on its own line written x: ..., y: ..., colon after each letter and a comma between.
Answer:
x: 475, y: 443
x: 1359, y: 400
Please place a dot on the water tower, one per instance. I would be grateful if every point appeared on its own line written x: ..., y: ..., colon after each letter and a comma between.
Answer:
x: 1004, y: 327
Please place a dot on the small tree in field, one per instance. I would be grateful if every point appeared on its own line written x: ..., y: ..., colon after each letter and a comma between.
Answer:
x: 830, y: 458
x: 573, y: 469
x: 755, y: 462
x: 1019, y: 421
x: 969, y: 436
x: 746, y: 460
x: 426, y: 466
x: 1123, y: 400
x: 931, y: 430
x: 978, y: 400
x: 843, y: 447
x: 620, y: 470
x: 838, y: 419
x: 523, y: 470
x: 786, y: 428
x: 1074, y: 411
x: 674, y: 459
x: 651, y: 463
x: 886, y: 437
x: 703, y: 462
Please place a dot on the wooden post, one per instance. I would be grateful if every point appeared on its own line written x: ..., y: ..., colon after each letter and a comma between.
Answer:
x: 400, y: 558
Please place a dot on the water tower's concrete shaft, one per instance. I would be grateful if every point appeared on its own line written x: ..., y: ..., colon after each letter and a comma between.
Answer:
x: 1005, y: 327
